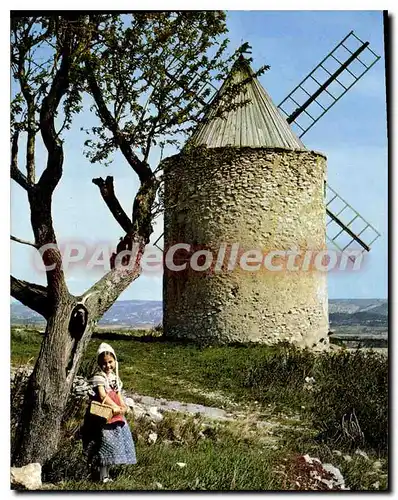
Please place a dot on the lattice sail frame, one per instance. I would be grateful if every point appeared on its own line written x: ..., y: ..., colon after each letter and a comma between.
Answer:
x: 351, y: 226
x: 327, y: 70
x: 357, y: 229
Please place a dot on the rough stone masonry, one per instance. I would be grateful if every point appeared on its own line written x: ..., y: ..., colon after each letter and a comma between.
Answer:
x: 265, y: 198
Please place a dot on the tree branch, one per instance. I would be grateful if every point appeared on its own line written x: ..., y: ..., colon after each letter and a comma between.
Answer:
x: 149, y: 139
x: 53, y: 171
x: 31, y: 295
x: 100, y: 297
x: 30, y: 147
x: 108, y: 195
x: 16, y: 174
x: 25, y: 89
x: 142, y: 169
x: 40, y: 198
x: 24, y: 242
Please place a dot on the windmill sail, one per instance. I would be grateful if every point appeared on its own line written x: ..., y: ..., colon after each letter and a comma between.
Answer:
x: 328, y: 82
x: 308, y: 102
x: 346, y: 227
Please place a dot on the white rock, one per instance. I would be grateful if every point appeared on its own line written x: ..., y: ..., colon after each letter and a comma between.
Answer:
x: 337, y: 452
x: 129, y: 402
x: 181, y: 464
x: 152, y: 438
x: 328, y: 482
x: 338, y: 479
x: 28, y: 476
x: 138, y: 411
x: 347, y: 458
x: 154, y: 414
x: 159, y: 486
x: 377, y: 465
x: 362, y: 454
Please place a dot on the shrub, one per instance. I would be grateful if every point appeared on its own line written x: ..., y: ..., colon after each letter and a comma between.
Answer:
x: 279, y: 377
x: 26, y: 336
x: 350, y: 403
x: 158, y: 329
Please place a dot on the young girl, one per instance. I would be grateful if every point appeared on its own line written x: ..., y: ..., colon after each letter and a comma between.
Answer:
x: 110, y: 443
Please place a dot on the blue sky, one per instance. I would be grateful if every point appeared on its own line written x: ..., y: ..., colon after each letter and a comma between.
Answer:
x: 353, y: 135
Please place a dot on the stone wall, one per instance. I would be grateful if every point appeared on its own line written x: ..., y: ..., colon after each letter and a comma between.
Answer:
x: 264, y: 199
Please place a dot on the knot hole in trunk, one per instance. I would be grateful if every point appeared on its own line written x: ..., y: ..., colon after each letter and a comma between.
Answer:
x: 77, y: 326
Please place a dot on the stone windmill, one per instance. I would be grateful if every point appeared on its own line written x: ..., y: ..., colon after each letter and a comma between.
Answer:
x: 248, y: 179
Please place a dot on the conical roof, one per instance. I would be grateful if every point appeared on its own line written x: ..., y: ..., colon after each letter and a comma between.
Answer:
x: 259, y: 123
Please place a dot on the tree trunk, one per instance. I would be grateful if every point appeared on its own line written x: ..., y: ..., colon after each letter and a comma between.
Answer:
x: 38, y: 435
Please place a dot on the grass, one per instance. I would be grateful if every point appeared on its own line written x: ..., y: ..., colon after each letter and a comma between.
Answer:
x: 210, y: 466
x: 167, y: 369
x: 229, y: 458
x: 224, y: 458
x: 25, y: 345
x: 283, y: 417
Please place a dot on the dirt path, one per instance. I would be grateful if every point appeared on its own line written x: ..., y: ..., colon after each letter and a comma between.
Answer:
x: 266, y: 425
x: 165, y: 405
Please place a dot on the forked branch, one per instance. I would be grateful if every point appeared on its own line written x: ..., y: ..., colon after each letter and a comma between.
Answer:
x: 108, y: 195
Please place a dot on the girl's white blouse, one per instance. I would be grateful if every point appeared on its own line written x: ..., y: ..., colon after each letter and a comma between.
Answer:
x: 108, y: 381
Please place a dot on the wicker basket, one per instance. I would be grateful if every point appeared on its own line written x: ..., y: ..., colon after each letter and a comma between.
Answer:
x: 101, y: 410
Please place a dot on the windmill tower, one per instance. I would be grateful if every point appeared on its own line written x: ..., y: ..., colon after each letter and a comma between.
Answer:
x: 249, y: 179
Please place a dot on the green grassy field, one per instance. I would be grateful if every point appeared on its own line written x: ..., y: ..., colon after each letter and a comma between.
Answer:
x: 266, y: 384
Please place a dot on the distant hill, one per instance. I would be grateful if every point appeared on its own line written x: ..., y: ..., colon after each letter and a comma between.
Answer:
x: 352, y: 306
x: 132, y: 313
x: 364, y: 312
x: 149, y: 313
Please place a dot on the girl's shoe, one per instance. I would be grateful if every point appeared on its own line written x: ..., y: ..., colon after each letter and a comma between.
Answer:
x: 107, y: 480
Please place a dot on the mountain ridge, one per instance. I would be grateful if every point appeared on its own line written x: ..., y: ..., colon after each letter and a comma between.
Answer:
x: 149, y: 313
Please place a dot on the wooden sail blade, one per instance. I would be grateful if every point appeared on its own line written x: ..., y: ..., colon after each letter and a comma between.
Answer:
x: 345, y: 225
x: 327, y: 83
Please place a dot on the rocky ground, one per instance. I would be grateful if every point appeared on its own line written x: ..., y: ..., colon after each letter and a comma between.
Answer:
x: 301, y: 472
